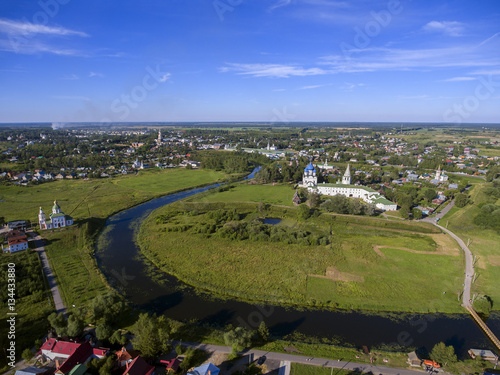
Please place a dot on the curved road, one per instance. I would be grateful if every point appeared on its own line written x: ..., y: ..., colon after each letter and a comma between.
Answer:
x: 469, y: 263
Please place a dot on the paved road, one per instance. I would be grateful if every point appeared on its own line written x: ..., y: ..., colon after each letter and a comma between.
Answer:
x: 469, y: 262
x: 50, y: 276
x: 306, y: 360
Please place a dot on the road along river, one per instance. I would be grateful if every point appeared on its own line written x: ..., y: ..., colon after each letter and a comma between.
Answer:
x: 123, y: 264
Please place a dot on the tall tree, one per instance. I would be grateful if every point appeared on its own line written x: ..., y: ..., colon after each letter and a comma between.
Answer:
x: 151, y: 335
x: 443, y: 354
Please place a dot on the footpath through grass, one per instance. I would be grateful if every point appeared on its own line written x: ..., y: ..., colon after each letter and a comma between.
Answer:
x: 484, y: 243
x: 330, y: 261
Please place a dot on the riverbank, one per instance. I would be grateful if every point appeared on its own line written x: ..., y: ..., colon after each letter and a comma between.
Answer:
x: 330, y: 261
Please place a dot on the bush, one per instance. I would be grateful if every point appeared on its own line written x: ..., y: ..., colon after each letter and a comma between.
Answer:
x: 483, y: 304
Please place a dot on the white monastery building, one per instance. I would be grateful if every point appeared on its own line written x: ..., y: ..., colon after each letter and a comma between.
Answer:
x: 310, y: 181
x: 57, y: 219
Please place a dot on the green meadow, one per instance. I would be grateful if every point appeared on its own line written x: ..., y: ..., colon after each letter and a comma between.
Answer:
x: 278, y: 194
x: 169, y: 180
x: 484, y: 243
x: 330, y: 261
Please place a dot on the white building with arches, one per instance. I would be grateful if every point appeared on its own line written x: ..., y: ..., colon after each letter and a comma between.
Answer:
x: 310, y: 181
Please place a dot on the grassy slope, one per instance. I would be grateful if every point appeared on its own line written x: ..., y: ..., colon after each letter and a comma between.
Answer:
x: 484, y: 244
x: 278, y: 272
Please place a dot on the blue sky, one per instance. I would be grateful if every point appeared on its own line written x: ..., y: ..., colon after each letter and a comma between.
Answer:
x: 250, y: 60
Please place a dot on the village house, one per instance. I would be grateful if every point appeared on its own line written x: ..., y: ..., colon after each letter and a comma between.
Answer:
x: 138, y: 366
x: 68, y: 354
x: 16, y: 241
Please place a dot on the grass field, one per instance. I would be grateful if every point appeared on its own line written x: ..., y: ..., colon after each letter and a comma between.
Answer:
x: 164, y: 181
x: 97, y: 198
x: 400, y: 270
x: 278, y: 194
x: 31, y: 306
x: 484, y: 243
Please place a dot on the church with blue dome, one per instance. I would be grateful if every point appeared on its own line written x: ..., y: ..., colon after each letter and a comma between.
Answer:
x: 344, y: 187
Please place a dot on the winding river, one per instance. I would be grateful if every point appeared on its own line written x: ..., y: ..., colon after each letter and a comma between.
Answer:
x: 149, y: 289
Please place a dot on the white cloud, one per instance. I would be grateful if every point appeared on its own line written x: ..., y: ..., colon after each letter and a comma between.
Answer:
x: 486, y: 72
x: 459, y: 79
x: 279, y: 4
x: 271, y: 70
x: 451, y: 28
x: 29, y: 47
x: 71, y: 77
x: 351, y: 86
x: 374, y: 59
x: 314, y: 86
x: 94, y: 74
x: 26, y: 28
x: 488, y: 39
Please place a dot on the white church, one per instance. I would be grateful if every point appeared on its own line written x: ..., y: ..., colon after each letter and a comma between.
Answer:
x: 310, y: 181
x: 57, y: 218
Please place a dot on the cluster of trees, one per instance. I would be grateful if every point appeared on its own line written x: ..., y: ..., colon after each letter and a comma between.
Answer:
x: 103, y: 311
x: 256, y: 231
x: 488, y: 216
x: 344, y: 205
x: 229, y: 162
x: 228, y: 224
x: 240, y: 338
x: 151, y: 335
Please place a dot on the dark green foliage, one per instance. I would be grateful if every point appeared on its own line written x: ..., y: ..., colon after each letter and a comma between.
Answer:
x: 29, y: 277
x: 107, y: 307
x: 461, y: 200
x: 304, y: 212
x: 103, y: 331
x: 118, y: 338
x: 75, y: 325
x: 488, y: 217
x: 27, y: 354
x: 417, y: 214
x: 483, y: 304
x: 59, y: 323
x: 263, y: 331
x: 151, y: 335
x: 239, y: 338
x: 443, y: 354
x: 344, y: 205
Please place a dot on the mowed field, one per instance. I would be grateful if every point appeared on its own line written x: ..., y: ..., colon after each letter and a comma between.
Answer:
x: 484, y: 244
x: 168, y: 180
x: 371, y: 264
x: 97, y: 198
x: 278, y: 194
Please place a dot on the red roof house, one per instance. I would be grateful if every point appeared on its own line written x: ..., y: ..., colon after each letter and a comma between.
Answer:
x: 139, y: 366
